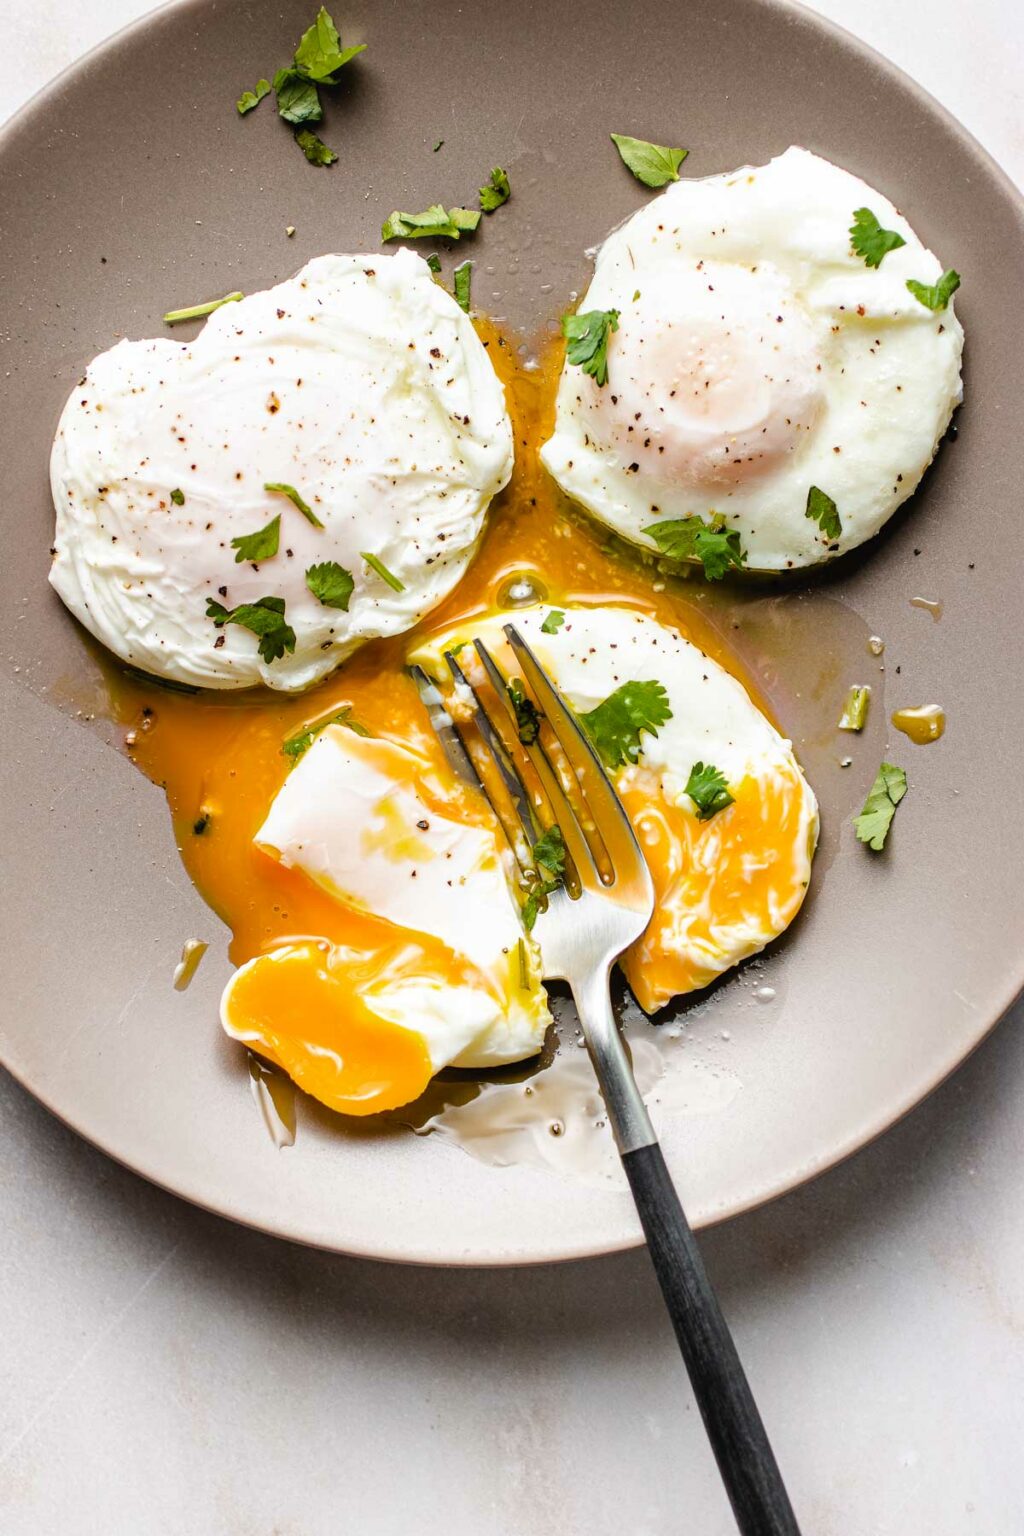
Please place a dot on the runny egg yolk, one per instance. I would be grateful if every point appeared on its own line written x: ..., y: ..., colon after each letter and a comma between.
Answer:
x: 220, y: 761
x: 302, y: 1007
x: 722, y: 886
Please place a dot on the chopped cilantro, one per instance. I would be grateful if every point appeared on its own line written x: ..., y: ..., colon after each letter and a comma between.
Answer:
x: 496, y: 192
x: 178, y: 497
x: 870, y: 240
x: 873, y: 823
x: 200, y: 311
x: 855, y: 710
x: 320, y: 56
x: 281, y: 489
x: 708, y: 790
x: 937, y: 295
x: 382, y: 571
x: 547, y: 874
x: 314, y: 149
x: 435, y: 223
x: 653, y: 164
x: 261, y: 545
x: 587, y: 337
x: 462, y: 279
x: 265, y: 618
x: 330, y: 584
x: 821, y: 509
x: 250, y: 99
x: 525, y: 711
x: 434, y: 263
x: 553, y: 623
x: 296, y: 745
x: 690, y: 538
x: 298, y: 100
x: 614, y: 726
x: 437, y: 146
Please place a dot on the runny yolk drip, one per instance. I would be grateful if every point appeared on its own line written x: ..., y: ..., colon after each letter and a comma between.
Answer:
x: 309, y: 1016
x: 722, y: 888
x: 924, y: 724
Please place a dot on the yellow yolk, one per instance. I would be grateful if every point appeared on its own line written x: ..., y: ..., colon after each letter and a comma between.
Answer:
x: 303, y: 1007
x: 734, y: 880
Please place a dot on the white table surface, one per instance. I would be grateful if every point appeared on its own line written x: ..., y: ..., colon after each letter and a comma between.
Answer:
x: 162, y: 1371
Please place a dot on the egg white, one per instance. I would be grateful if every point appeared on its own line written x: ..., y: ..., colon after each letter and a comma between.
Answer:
x: 361, y: 383
x: 758, y: 355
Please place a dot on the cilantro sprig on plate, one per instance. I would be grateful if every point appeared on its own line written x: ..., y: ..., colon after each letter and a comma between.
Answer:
x: 873, y: 823
x: 547, y: 875
x: 708, y: 789
x: 870, y: 240
x: 587, y: 337
x: 615, y: 726
x: 317, y: 62
x: 690, y: 538
x: 653, y: 164
x: 264, y: 618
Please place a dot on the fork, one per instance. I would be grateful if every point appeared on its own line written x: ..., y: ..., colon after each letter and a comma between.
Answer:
x: 605, y: 904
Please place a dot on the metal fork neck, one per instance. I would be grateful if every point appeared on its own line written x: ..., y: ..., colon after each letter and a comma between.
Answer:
x: 627, y: 1113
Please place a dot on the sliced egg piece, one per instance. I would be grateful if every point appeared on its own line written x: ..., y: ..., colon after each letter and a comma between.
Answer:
x: 725, y: 884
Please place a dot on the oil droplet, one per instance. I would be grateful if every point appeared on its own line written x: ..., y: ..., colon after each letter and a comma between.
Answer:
x: 764, y: 994
x: 924, y: 724
x: 274, y: 1096
x: 520, y: 590
x: 192, y: 952
x: 876, y: 645
x: 930, y: 605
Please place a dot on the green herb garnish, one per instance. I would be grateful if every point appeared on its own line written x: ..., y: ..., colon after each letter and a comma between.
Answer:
x: 870, y: 240
x: 587, y: 337
x: 178, y: 497
x: 690, y: 538
x: 262, y: 545
x: 298, y: 100
x: 200, y: 311
x: 525, y: 711
x: 434, y: 263
x: 653, y: 164
x: 320, y: 56
x: 296, y: 745
x: 936, y: 295
x: 462, y: 279
x: 314, y: 149
x: 821, y: 509
x: 279, y: 488
x: 708, y: 790
x: 496, y: 192
x: 855, y: 710
x: 615, y: 725
x: 435, y: 223
x: 382, y: 571
x: 330, y: 584
x: 553, y: 623
x: 547, y: 875
x: 250, y: 99
x: 873, y: 823
x: 264, y: 618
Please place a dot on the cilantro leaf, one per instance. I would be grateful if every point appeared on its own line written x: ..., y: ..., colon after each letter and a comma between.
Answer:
x: 434, y: 263
x: 821, y: 509
x: 873, y: 823
x: 614, y: 726
x: 178, y: 497
x: 320, y: 55
x: 690, y: 538
x: 870, y: 240
x: 250, y: 99
x: 462, y: 279
x: 553, y: 623
x: 382, y: 571
x: 298, y: 100
x: 525, y: 711
x: 496, y: 192
x: 200, y: 311
x: 330, y: 584
x: 280, y: 488
x: 261, y: 545
x: 708, y: 790
x: 265, y: 618
x: 296, y: 745
x: 314, y: 149
x: 587, y: 337
x: 547, y: 874
x: 653, y: 164
x: 435, y: 223
x: 937, y: 295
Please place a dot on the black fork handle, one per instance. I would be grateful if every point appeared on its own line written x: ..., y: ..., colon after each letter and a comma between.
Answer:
x: 738, y: 1438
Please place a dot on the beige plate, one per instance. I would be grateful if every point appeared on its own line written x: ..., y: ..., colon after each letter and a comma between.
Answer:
x: 131, y: 186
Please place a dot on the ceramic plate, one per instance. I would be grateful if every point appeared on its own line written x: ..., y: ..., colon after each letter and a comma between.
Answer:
x: 131, y: 186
